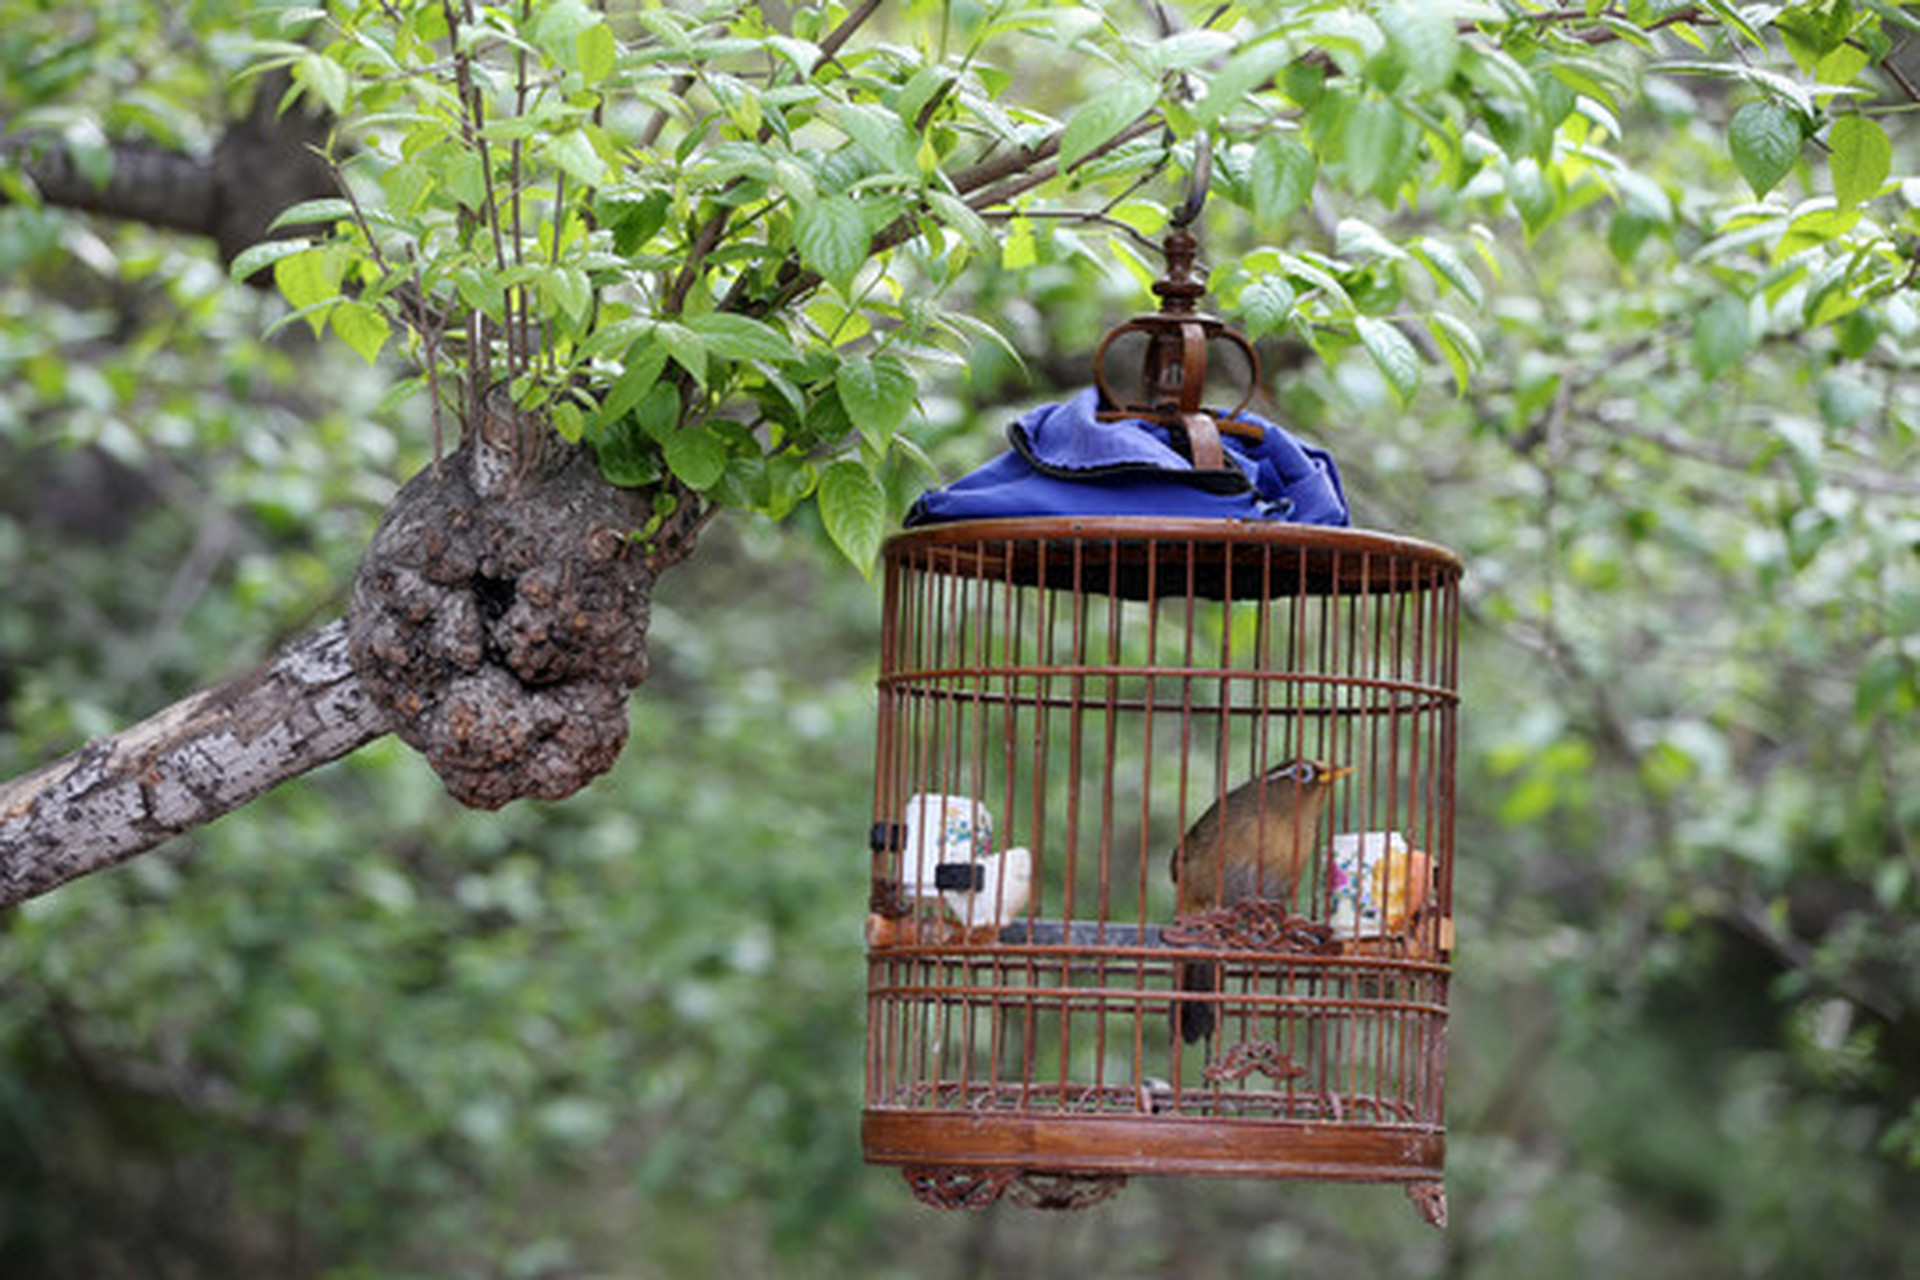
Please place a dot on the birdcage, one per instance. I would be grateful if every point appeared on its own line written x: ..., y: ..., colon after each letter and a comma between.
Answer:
x: 1068, y: 707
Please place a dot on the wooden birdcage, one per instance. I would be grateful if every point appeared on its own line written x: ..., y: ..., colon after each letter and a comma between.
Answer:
x: 1061, y: 701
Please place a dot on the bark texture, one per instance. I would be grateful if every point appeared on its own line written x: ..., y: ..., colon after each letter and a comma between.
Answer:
x: 200, y: 758
x: 499, y: 619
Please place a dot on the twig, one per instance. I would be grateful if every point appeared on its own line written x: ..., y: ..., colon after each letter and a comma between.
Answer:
x: 838, y: 37
x: 1549, y: 17
x: 674, y: 541
x: 650, y: 133
x: 1093, y: 216
x: 472, y: 122
x: 517, y: 337
x: 1899, y: 77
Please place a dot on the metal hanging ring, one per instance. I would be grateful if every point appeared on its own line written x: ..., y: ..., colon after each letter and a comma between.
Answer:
x: 1198, y: 181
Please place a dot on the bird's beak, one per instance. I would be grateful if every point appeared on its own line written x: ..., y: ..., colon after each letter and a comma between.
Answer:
x: 1335, y: 771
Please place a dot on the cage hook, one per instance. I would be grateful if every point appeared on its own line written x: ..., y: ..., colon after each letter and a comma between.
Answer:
x: 1199, y: 178
x: 1173, y: 371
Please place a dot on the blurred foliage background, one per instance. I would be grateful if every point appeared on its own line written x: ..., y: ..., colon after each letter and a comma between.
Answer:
x: 353, y: 1030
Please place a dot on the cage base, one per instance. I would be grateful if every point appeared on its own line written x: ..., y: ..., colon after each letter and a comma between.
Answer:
x: 1093, y: 1144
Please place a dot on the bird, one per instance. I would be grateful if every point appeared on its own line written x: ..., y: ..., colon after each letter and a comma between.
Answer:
x: 1253, y: 843
x: 1002, y: 883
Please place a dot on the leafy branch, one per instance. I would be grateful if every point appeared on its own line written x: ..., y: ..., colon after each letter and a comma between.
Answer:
x: 702, y: 290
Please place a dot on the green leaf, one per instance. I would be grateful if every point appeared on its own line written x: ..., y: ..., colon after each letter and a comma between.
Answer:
x: 1722, y: 335
x: 332, y: 209
x: 1245, y: 72
x: 1102, y: 116
x: 362, y: 328
x: 568, y: 422
x: 466, y: 178
x: 697, y: 455
x: 1353, y: 39
x: 878, y: 393
x: 1887, y: 685
x: 1846, y: 400
x: 566, y: 292
x: 879, y: 133
x: 646, y: 361
x: 959, y: 215
x: 263, y: 255
x: 1393, y: 354
x: 1459, y: 344
x: 736, y: 337
x: 1318, y: 277
x: 1861, y: 158
x: 789, y: 479
x: 853, y: 507
x: 1842, y: 66
x: 1357, y: 240
x: 659, y: 412
x: 1857, y: 331
x: 688, y: 349
x: 573, y: 153
x: 1765, y: 140
x: 1831, y: 293
x: 1626, y: 232
x: 1020, y: 249
x: 834, y: 239
x: 482, y: 290
x: 1819, y: 225
x: 1378, y: 146
x: 1447, y: 266
x: 1188, y: 49
x: 1531, y: 193
x: 1729, y: 13
x: 1644, y: 198
x: 1266, y: 305
x: 1422, y: 35
x: 597, y: 52
x: 634, y: 217
x: 925, y: 85
x: 559, y: 25
x: 325, y: 79
x: 1280, y: 176
x: 626, y: 458
x: 310, y: 277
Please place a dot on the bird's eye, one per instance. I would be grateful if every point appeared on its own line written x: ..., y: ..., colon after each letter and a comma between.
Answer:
x: 1305, y: 772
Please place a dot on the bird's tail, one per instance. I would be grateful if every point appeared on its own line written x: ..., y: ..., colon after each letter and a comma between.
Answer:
x: 1195, y: 1017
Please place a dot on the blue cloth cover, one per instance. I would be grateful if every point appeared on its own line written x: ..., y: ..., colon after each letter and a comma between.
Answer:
x: 1066, y: 462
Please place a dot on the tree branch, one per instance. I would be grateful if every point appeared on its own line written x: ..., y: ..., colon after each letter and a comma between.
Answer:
x: 837, y: 38
x: 144, y: 184
x: 265, y: 162
x: 200, y: 758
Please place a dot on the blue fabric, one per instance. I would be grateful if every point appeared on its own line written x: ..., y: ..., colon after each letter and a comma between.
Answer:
x: 1066, y: 462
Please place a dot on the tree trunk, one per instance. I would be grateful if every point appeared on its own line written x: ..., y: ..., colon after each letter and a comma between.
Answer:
x: 200, y: 758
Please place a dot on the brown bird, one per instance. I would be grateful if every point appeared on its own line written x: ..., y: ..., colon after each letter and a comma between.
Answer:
x: 1254, y: 843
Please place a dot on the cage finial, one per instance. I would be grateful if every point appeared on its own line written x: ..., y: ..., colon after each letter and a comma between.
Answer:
x: 1173, y: 372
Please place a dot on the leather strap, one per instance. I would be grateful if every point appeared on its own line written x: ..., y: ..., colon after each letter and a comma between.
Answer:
x: 1203, y: 441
